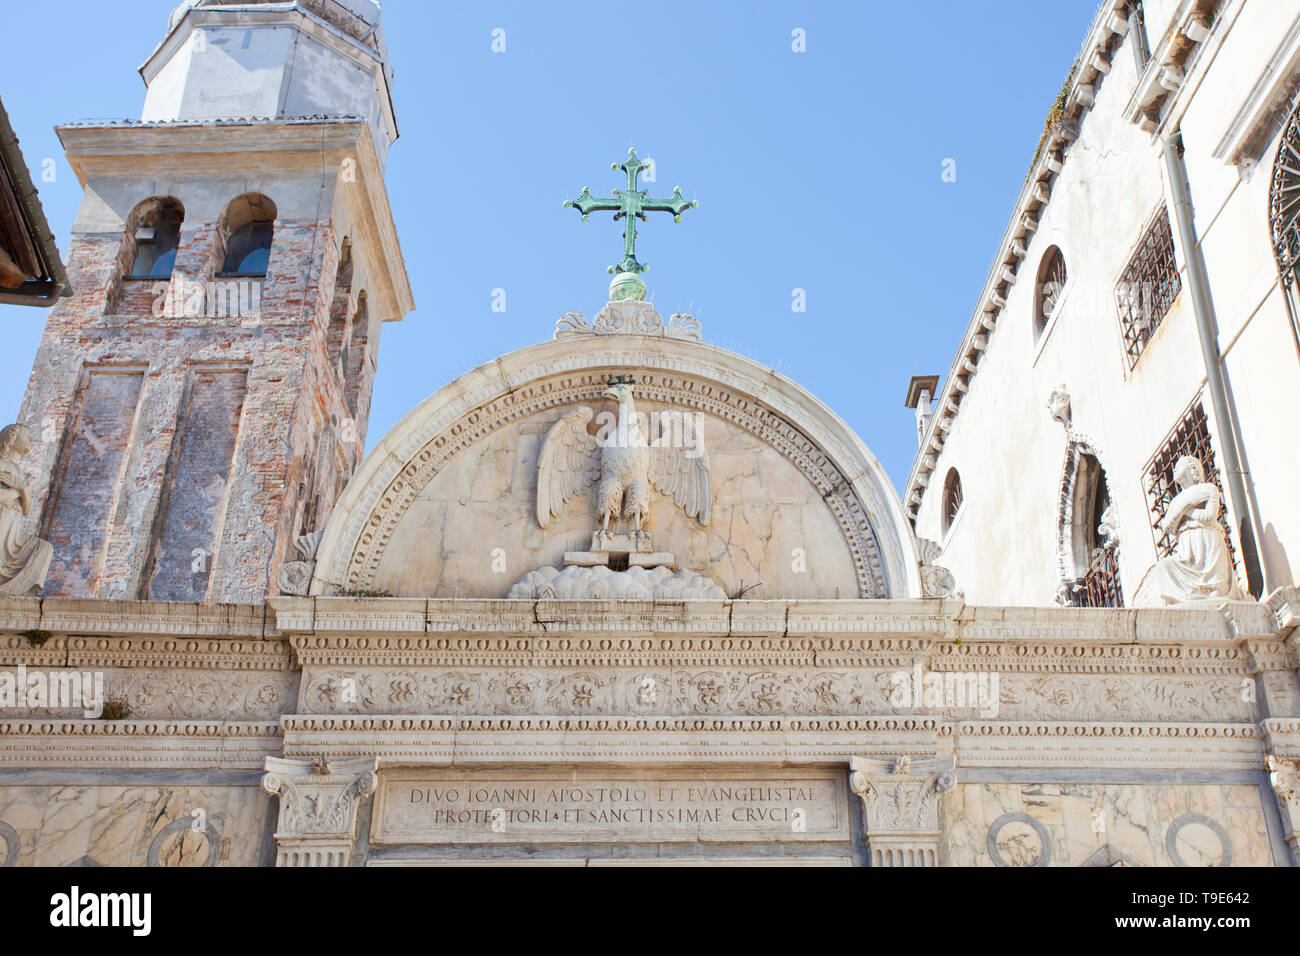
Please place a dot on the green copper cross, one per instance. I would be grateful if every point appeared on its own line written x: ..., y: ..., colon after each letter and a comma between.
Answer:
x: 631, y: 205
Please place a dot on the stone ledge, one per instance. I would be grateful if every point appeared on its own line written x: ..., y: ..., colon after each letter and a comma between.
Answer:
x: 949, y: 619
x: 92, y: 616
x: 132, y: 744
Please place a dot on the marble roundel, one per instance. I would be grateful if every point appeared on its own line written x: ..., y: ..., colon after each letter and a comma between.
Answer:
x: 8, y: 845
x: 1197, y: 840
x: 1017, y: 839
x: 179, y: 844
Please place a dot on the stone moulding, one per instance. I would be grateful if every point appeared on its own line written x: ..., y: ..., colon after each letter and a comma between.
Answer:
x: 629, y: 317
x: 683, y: 373
x: 137, y: 744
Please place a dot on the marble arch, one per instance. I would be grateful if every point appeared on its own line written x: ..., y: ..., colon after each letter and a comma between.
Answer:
x: 737, y: 396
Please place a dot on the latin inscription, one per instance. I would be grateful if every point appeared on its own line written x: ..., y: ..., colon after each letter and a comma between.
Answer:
x: 474, y: 807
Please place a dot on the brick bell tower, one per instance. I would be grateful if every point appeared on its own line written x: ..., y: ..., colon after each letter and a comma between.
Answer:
x: 198, y: 404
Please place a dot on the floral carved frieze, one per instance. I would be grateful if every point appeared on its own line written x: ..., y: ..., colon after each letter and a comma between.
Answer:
x: 782, y: 690
x: 228, y: 695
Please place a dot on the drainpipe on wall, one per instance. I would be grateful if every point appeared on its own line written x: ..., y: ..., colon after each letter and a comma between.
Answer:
x: 1203, y: 308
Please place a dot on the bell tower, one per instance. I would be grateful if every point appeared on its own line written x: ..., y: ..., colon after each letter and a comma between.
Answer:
x: 199, y: 403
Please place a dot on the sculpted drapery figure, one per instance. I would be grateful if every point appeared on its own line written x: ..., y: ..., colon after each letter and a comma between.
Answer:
x: 24, y: 558
x: 1199, y: 567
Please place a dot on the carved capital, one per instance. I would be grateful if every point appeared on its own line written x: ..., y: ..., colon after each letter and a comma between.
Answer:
x: 1284, y: 778
x: 899, y: 806
x: 318, y: 807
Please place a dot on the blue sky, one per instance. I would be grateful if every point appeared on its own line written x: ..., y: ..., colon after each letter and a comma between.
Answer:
x: 818, y: 170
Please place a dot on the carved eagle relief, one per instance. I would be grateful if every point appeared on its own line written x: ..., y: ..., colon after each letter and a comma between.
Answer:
x: 626, y: 461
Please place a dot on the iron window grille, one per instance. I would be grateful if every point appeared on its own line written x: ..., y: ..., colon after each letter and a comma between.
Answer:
x: 1191, y: 436
x: 1147, y: 288
x: 1101, y: 583
x: 951, y: 498
x: 1051, y: 282
x: 1284, y: 199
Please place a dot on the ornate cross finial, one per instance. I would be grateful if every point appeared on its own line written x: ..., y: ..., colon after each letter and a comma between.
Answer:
x: 631, y: 204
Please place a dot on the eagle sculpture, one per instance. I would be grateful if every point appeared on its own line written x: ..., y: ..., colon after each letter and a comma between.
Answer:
x: 673, y: 460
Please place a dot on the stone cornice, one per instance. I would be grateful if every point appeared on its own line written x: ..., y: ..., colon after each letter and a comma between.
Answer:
x: 449, y: 741
x: 63, y: 616
x: 1104, y: 39
x: 1162, y: 92
x: 137, y: 744
x: 348, y: 621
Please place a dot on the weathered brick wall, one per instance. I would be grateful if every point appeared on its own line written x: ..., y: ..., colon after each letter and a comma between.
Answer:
x: 194, y: 494
x: 83, y: 498
x: 283, y: 433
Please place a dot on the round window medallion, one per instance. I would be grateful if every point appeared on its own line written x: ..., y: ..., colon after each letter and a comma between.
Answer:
x: 1017, y: 839
x: 1196, y: 840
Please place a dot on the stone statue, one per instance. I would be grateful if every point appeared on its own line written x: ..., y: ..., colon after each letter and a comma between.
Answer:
x: 1108, y: 528
x: 24, y: 558
x: 1199, y: 567
x: 626, y: 461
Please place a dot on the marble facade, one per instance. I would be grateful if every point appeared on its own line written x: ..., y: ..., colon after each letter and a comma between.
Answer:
x: 436, y: 731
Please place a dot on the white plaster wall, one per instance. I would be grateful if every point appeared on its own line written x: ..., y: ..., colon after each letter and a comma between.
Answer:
x: 1009, y: 452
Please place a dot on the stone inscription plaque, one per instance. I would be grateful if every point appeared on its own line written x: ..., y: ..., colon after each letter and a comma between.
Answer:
x: 541, y: 806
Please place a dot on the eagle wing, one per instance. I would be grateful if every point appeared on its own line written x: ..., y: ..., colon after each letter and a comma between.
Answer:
x: 679, y: 463
x: 568, y: 464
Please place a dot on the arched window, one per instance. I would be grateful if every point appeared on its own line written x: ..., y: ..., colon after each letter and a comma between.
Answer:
x: 1093, y: 575
x: 1284, y: 200
x: 247, y: 227
x: 336, y: 340
x: 1047, y: 291
x: 951, y: 498
x: 354, y: 352
x: 155, y: 225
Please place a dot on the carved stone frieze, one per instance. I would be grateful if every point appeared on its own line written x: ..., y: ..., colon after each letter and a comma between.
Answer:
x: 629, y: 317
x: 637, y: 688
x: 318, y: 807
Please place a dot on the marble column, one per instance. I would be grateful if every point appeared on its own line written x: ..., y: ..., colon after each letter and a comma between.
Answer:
x: 900, y: 807
x: 1284, y: 776
x: 318, y: 807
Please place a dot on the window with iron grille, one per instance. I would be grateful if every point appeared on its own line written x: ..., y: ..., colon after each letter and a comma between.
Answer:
x: 1051, y: 282
x: 1101, y: 583
x: 1191, y: 436
x: 1148, y: 287
x: 1284, y: 199
x: 951, y: 498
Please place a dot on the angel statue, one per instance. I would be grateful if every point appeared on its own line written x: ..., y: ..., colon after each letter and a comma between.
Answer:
x: 626, y: 461
x: 1199, y: 567
x: 24, y: 558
